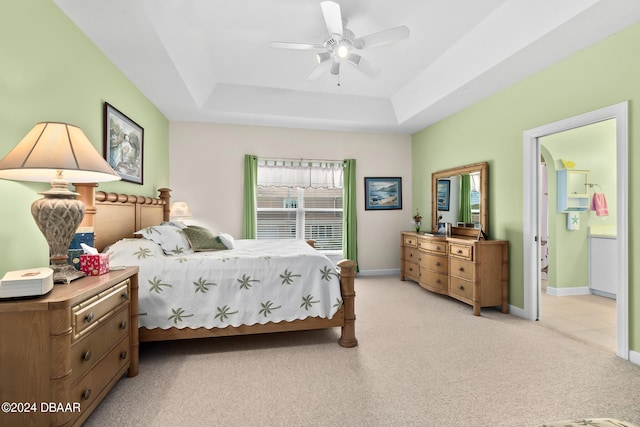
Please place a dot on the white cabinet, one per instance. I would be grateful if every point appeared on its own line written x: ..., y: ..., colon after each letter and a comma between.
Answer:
x: 603, y: 265
x: 573, y: 190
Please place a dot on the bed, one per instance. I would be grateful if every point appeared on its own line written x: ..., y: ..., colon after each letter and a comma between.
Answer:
x: 115, y: 218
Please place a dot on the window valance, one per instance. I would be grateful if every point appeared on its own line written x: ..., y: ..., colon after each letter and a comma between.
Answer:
x: 300, y: 173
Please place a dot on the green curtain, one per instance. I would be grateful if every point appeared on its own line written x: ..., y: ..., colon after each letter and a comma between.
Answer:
x: 349, y: 230
x: 249, y: 220
x: 465, y: 198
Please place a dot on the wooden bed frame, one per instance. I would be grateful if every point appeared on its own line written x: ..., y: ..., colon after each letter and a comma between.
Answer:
x: 116, y: 216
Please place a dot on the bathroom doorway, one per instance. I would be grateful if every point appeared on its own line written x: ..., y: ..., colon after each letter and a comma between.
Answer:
x: 532, y: 200
x: 573, y: 300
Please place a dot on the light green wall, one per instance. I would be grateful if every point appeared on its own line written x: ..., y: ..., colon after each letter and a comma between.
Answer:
x: 591, y: 148
x: 52, y: 72
x: 492, y: 130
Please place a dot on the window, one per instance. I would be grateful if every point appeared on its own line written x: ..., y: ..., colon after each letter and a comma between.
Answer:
x: 300, y: 201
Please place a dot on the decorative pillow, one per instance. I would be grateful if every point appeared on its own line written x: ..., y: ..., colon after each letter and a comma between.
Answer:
x: 227, y: 240
x: 171, y: 239
x: 202, y: 239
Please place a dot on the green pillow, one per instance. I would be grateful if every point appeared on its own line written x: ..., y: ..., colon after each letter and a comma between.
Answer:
x: 202, y: 240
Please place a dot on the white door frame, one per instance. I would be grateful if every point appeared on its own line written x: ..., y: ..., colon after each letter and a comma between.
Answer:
x: 531, y: 194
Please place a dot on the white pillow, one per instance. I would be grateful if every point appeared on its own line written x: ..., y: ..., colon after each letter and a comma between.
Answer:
x: 171, y: 239
x: 177, y: 224
x: 227, y: 240
x: 122, y: 251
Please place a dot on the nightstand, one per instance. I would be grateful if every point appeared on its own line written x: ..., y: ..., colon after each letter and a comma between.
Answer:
x: 61, y: 353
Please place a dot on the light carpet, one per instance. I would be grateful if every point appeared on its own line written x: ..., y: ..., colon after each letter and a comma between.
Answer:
x: 423, y: 360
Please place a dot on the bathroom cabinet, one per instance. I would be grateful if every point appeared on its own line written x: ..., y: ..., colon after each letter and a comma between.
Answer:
x: 573, y: 190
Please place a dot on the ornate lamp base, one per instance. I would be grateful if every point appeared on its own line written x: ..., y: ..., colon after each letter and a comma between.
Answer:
x: 65, y: 274
x: 58, y: 215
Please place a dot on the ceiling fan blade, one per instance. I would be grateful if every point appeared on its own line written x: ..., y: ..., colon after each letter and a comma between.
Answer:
x: 332, y: 17
x: 296, y: 46
x: 319, y: 70
x: 363, y: 65
x: 383, y: 37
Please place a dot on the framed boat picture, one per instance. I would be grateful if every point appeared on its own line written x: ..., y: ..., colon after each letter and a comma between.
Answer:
x: 383, y: 193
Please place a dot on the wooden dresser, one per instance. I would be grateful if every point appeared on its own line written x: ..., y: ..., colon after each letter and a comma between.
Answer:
x: 60, y: 354
x: 473, y: 271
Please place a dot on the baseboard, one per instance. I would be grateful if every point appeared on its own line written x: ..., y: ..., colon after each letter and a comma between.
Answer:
x: 517, y: 311
x: 634, y: 357
x: 560, y: 292
x: 389, y: 272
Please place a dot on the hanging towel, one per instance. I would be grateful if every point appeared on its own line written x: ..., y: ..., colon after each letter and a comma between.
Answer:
x: 599, y: 204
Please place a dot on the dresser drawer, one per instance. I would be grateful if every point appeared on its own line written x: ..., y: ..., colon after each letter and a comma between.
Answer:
x: 461, y: 289
x: 86, y: 352
x: 410, y: 241
x: 439, y: 247
x: 462, y: 269
x: 90, y: 313
x: 461, y: 251
x: 411, y: 270
x: 435, y: 263
x: 411, y: 255
x: 89, y: 387
x: 434, y: 281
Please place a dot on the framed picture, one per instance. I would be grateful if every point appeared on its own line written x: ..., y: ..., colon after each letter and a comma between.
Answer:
x: 123, y: 144
x: 444, y: 190
x: 382, y: 193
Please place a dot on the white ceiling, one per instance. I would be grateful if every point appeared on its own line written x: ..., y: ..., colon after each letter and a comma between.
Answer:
x: 210, y: 60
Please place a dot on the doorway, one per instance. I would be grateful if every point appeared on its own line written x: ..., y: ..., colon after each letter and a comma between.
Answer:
x: 532, y: 202
x: 575, y: 271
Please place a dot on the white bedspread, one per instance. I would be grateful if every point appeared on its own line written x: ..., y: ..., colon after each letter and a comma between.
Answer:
x: 259, y: 281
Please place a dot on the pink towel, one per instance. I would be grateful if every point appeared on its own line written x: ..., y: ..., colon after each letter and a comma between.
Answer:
x: 599, y: 204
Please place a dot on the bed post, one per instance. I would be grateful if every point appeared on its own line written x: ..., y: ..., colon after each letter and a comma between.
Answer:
x: 165, y: 194
x: 87, y: 195
x: 347, y: 274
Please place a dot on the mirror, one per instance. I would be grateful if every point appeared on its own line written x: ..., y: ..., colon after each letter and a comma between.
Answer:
x: 446, y: 188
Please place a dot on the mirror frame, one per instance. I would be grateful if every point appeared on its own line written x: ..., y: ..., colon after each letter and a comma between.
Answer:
x: 483, y: 168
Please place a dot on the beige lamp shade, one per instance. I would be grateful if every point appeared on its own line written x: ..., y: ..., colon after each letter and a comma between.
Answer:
x: 50, y: 147
x: 180, y: 210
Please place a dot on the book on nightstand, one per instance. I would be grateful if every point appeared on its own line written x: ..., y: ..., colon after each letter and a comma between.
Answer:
x: 26, y: 283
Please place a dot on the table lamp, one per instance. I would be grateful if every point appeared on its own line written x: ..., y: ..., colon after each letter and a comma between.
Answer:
x: 47, y: 152
x: 180, y: 211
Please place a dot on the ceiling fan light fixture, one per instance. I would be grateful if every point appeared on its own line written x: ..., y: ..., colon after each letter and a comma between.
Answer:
x: 322, y: 57
x: 343, y: 50
x: 353, y: 59
x: 335, y: 67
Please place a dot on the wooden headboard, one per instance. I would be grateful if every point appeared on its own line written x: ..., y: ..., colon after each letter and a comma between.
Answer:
x: 114, y: 216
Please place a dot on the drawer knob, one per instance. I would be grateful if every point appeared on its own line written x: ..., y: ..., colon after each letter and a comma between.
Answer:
x: 123, y: 324
x: 123, y: 355
x: 125, y: 295
x: 459, y: 251
x: 437, y: 248
x: 461, y: 287
x: 460, y: 269
x: 87, y: 394
x: 437, y: 264
x: 86, y: 356
x: 437, y: 280
x: 89, y: 317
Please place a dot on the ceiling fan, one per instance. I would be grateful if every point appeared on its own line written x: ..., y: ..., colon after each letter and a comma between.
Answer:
x: 341, y: 44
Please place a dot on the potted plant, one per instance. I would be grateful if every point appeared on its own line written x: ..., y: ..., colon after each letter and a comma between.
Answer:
x: 417, y: 221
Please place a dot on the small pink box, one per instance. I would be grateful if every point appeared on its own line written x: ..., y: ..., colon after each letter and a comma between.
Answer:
x: 94, y: 265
